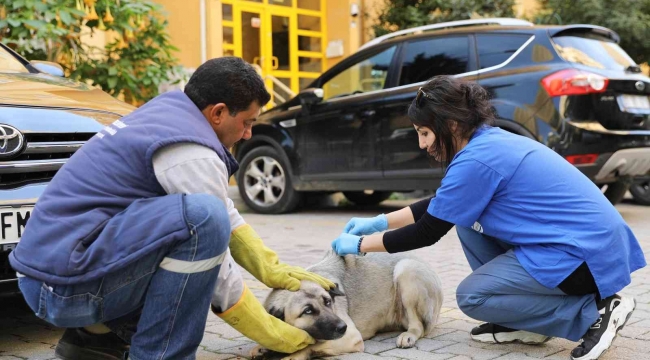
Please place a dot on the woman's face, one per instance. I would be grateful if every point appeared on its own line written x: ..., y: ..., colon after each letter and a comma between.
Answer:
x: 426, y: 138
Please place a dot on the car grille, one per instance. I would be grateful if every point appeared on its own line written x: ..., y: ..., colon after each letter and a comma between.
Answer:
x: 43, y: 156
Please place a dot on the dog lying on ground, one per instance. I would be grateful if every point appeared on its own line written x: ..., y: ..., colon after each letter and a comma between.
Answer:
x: 375, y: 293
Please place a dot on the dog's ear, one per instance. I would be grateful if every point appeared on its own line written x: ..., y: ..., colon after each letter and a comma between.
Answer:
x: 277, y: 312
x: 335, y: 291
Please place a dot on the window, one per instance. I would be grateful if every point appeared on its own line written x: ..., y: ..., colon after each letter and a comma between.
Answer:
x: 425, y: 59
x: 495, y: 49
x: 595, y: 52
x: 367, y: 75
x: 9, y: 64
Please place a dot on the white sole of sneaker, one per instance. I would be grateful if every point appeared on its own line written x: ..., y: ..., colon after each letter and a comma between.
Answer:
x: 524, y: 337
x: 620, y: 316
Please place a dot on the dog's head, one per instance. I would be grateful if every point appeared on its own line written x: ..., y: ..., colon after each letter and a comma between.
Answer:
x: 310, y: 309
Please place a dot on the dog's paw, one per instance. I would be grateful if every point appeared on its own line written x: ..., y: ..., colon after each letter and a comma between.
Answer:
x: 297, y: 356
x: 258, y: 352
x: 406, y: 340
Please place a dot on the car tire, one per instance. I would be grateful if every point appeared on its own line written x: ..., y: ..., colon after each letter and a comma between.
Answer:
x: 364, y: 199
x: 641, y: 192
x: 615, y: 192
x: 264, y: 182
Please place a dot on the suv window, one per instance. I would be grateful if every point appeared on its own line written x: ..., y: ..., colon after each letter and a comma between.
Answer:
x: 494, y: 49
x: 367, y: 75
x: 9, y: 64
x: 593, y: 51
x: 424, y: 59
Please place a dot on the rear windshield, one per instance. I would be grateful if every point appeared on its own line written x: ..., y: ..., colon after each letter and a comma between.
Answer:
x: 593, y: 52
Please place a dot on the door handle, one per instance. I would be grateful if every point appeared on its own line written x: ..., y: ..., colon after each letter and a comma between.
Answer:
x: 275, y: 62
x: 367, y: 114
x: 361, y: 115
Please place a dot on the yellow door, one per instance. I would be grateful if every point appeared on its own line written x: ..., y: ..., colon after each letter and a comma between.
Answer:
x: 248, y: 39
x: 283, y: 39
x: 281, y: 65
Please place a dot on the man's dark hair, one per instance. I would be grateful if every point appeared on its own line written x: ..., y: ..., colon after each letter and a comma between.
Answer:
x: 229, y: 80
x: 446, y: 99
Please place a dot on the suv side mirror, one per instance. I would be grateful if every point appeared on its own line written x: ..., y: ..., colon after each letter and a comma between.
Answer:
x: 309, y: 97
x: 48, y: 67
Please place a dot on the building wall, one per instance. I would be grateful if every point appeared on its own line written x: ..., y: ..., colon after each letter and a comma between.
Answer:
x: 342, y: 27
x: 184, y: 29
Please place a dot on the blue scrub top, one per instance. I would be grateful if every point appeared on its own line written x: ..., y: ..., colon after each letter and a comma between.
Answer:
x: 523, y: 193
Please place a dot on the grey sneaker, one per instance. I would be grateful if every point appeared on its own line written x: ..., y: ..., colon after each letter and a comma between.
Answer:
x: 497, y: 334
x: 614, y: 313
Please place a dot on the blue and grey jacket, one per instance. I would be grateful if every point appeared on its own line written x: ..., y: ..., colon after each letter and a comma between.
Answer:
x: 67, y: 239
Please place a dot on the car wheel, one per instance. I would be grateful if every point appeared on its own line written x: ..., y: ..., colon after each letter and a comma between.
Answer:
x: 616, y: 191
x: 264, y: 182
x: 363, y: 198
x: 641, y: 192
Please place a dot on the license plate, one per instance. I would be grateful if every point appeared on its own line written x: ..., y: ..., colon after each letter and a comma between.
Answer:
x: 634, y: 103
x: 12, y: 223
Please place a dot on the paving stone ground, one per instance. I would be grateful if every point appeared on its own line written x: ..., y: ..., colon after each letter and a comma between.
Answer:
x: 301, y: 238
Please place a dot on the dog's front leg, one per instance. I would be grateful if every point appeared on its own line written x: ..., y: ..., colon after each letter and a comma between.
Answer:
x: 303, y: 354
x: 350, y: 342
x: 260, y: 352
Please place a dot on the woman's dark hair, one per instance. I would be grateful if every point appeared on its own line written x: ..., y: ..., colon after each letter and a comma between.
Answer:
x: 229, y: 80
x: 444, y: 99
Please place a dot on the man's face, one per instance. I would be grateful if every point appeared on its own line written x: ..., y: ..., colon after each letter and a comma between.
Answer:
x: 230, y: 129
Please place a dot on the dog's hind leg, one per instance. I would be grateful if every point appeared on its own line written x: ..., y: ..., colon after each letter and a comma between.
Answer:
x: 419, y: 292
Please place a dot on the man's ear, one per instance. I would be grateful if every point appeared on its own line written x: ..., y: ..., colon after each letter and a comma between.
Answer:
x: 217, y: 113
x: 277, y: 312
x: 335, y: 291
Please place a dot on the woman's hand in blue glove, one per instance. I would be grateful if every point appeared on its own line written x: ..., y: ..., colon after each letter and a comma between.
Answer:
x: 366, y: 226
x: 346, y: 244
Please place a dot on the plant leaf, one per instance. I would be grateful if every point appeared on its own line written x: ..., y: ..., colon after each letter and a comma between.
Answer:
x: 112, y: 82
x: 14, y: 22
x: 65, y: 17
x: 37, y: 24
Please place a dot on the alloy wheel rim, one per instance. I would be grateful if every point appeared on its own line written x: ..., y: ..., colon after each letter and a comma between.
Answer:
x: 264, y: 181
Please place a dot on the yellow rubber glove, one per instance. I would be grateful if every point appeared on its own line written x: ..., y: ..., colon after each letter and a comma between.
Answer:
x: 249, y: 251
x: 250, y: 318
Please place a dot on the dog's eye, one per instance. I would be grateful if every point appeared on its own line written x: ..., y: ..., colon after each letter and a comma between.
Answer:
x: 308, y: 311
x: 328, y: 302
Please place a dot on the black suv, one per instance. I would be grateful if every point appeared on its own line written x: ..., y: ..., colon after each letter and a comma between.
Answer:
x: 570, y: 87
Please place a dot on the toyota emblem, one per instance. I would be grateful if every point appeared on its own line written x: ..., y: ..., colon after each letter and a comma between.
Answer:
x: 11, y: 141
x: 639, y: 85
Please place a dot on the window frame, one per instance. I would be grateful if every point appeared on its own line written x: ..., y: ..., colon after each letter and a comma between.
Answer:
x: 531, y: 37
x: 356, y: 59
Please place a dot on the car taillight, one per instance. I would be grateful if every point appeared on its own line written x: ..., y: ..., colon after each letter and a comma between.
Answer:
x: 582, y: 159
x: 574, y: 82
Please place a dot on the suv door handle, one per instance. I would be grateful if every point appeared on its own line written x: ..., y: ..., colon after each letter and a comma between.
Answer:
x: 367, y: 114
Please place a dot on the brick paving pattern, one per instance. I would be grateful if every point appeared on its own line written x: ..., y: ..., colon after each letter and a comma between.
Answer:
x: 301, y: 238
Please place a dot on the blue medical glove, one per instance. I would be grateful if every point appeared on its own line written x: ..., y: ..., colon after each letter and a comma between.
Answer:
x: 366, y: 226
x: 346, y: 244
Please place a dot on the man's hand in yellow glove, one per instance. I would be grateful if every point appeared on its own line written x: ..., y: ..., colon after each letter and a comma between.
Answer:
x: 249, y: 251
x: 250, y: 318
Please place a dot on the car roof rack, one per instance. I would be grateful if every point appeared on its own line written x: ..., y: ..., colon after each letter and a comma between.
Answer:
x: 446, y: 25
